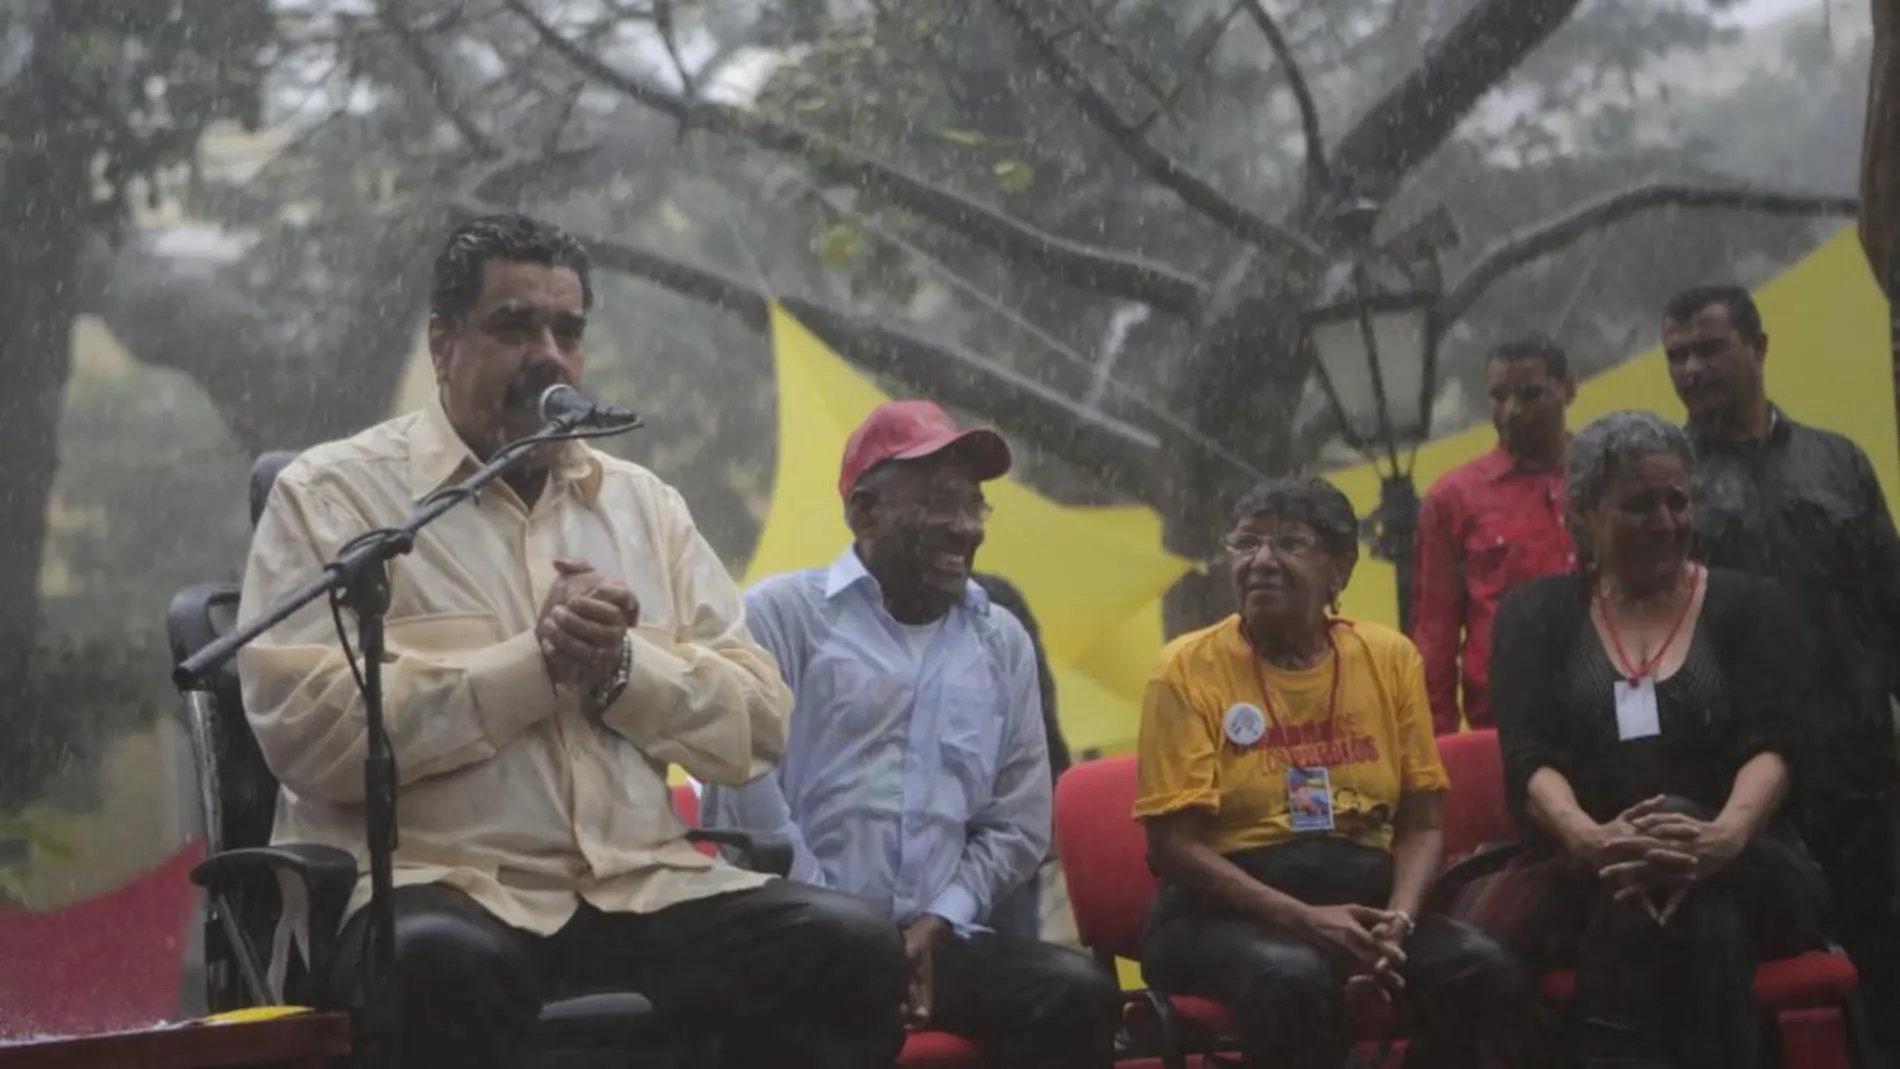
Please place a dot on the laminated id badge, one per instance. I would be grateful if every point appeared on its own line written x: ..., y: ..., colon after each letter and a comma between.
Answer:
x: 1636, y: 713
x: 1309, y: 799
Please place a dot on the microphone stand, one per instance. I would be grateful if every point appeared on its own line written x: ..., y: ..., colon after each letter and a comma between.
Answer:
x: 359, y: 579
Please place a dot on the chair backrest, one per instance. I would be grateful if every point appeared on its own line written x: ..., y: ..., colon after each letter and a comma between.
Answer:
x: 237, y: 795
x: 1475, y: 813
x: 264, y: 474
x: 1104, y: 853
x: 237, y: 792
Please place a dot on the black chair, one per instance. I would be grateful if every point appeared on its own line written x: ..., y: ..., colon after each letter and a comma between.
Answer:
x: 249, y: 881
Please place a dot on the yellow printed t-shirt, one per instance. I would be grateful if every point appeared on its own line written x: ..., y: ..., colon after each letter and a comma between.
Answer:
x: 1378, y: 746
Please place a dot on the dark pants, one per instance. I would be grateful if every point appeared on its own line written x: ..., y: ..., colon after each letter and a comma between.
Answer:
x: 1682, y: 994
x: 1027, y: 1004
x: 1467, y: 995
x: 785, y: 975
x: 1854, y: 840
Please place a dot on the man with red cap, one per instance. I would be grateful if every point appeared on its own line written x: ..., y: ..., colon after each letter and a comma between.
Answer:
x: 916, y: 775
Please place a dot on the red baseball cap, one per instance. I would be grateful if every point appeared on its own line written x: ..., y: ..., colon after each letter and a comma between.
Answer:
x: 911, y: 430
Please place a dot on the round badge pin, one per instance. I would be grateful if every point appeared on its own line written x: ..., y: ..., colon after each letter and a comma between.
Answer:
x: 1244, y: 724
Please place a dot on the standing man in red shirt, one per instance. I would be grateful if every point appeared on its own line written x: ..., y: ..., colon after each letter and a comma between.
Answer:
x: 1491, y: 524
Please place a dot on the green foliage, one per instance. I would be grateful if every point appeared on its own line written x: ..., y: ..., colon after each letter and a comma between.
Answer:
x: 25, y: 841
x: 72, y: 698
x: 132, y: 83
x: 1790, y: 123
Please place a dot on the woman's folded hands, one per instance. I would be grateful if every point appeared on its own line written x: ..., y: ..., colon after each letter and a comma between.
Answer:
x: 1654, y: 856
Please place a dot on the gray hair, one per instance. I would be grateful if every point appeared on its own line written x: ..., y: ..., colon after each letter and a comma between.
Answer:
x: 1305, y: 499
x: 1610, y: 445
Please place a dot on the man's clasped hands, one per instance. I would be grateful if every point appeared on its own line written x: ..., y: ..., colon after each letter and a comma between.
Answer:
x: 583, y: 623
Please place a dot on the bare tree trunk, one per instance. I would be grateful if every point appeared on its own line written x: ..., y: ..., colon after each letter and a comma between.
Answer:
x: 274, y: 388
x: 1240, y: 385
x: 44, y: 200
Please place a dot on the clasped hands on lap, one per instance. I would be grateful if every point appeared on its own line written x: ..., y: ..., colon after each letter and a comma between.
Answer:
x: 583, y: 623
x: 1368, y: 941
x: 922, y: 937
x: 1653, y: 855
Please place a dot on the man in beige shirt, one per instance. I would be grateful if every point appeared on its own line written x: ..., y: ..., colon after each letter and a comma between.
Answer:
x: 553, y: 646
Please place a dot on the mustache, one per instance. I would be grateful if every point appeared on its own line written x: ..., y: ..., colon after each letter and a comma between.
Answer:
x: 527, y: 388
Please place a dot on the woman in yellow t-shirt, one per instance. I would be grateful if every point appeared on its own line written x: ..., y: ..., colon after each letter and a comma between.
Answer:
x: 1293, y: 800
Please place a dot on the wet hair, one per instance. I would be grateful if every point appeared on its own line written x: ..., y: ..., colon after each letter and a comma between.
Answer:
x: 1536, y: 347
x: 1304, y: 499
x: 1605, y: 447
x: 512, y: 237
x: 1742, y: 313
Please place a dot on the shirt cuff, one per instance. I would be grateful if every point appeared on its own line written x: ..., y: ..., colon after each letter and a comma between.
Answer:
x: 805, y: 867
x: 955, y: 905
x: 511, y: 687
x: 653, y: 667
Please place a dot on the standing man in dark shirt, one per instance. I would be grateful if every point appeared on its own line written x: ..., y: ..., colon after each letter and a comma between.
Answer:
x: 1490, y: 524
x: 1803, y: 506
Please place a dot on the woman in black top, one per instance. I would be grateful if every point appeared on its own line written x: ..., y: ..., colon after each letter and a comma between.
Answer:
x: 1647, y: 708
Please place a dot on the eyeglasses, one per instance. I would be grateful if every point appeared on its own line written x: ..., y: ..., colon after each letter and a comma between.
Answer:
x: 945, y: 511
x: 1285, y: 543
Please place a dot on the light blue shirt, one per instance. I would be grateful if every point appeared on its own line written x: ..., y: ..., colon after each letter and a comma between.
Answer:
x: 916, y: 774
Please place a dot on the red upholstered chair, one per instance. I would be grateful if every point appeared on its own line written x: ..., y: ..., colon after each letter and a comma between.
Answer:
x: 922, y: 1050
x: 1475, y: 813
x: 1814, y: 996
x: 939, y: 1050
x: 1104, y: 854
x: 686, y: 804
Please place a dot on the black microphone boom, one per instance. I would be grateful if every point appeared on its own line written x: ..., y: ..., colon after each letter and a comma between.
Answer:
x: 571, y: 408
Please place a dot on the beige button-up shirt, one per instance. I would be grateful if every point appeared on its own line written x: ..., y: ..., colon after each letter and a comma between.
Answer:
x: 507, y: 790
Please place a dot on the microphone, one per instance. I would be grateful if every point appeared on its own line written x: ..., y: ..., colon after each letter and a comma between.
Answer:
x: 570, y: 407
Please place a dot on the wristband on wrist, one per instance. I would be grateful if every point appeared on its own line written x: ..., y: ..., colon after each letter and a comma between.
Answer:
x: 600, y: 697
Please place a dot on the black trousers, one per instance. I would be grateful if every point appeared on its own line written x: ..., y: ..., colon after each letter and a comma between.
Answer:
x: 1027, y: 1004
x: 1857, y: 843
x: 785, y: 975
x: 1681, y: 994
x: 1468, y: 997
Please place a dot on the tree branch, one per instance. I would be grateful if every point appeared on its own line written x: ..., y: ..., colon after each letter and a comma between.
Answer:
x: 445, y: 99
x: 1196, y: 192
x: 1518, y: 248
x: 663, y: 23
x: 1132, y: 277
x: 1415, y: 116
x: 1119, y: 452
x: 185, y: 316
x: 1318, y: 176
x: 1203, y: 41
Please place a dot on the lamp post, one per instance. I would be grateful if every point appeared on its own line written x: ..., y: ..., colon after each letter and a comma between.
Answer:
x: 1369, y: 319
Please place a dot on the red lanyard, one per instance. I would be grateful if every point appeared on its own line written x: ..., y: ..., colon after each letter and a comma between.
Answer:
x: 1637, y: 674
x: 1266, y: 692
